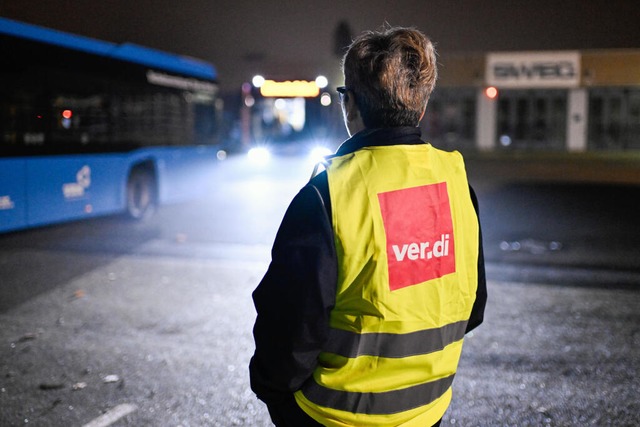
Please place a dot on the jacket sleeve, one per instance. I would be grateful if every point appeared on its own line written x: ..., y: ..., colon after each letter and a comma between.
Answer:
x: 294, y: 299
x: 477, y: 311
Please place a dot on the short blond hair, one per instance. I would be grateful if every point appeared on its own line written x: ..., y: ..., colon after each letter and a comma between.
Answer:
x: 391, y: 73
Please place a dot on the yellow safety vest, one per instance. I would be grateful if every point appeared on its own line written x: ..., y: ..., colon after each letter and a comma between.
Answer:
x: 406, y: 236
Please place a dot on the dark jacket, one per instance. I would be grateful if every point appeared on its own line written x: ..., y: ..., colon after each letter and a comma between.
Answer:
x: 296, y: 295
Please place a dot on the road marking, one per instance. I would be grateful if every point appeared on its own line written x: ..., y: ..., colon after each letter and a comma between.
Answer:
x: 112, y: 415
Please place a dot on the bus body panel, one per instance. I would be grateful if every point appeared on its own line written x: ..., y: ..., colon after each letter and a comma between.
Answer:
x: 13, y: 194
x: 72, y: 187
x: 61, y: 188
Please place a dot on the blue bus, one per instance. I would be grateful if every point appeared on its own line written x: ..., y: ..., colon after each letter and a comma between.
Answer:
x: 90, y: 128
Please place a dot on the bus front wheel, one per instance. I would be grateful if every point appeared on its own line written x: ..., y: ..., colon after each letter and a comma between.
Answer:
x: 142, y: 197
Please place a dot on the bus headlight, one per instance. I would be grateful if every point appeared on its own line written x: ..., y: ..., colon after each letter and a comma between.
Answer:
x: 259, y: 155
x: 317, y: 153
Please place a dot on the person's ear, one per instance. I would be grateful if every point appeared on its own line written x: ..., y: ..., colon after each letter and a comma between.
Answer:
x: 352, y: 115
x: 351, y: 107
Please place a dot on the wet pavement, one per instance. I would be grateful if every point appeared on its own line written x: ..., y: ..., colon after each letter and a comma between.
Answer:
x: 172, y: 339
x: 551, y: 355
x: 108, y: 323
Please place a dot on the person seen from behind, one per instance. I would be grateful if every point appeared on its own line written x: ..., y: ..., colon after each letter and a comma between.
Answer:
x: 377, y: 270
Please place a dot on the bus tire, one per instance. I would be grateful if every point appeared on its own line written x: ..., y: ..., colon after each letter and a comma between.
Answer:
x: 142, y: 197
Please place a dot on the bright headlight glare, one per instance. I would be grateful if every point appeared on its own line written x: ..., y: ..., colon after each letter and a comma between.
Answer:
x: 317, y: 153
x: 259, y: 154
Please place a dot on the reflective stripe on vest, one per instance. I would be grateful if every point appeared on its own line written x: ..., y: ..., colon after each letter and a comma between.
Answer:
x: 351, y: 344
x: 388, y: 402
x: 406, y: 237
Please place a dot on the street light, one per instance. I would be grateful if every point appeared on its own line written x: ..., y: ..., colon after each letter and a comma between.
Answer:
x: 322, y: 82
x: 257, y: 81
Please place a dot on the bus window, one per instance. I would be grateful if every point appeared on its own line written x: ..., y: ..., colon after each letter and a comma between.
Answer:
x: 79, y: 120
x: 206, y: 126
x: 23, y: 119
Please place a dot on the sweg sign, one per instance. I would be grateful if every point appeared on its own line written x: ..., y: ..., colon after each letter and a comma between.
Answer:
x: 533, y: 70
x: 419, y: 231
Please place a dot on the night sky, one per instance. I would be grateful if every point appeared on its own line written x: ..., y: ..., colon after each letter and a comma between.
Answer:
x: 294, y: 39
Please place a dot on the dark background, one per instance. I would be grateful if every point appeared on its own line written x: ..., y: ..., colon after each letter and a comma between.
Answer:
x: 296, y: 39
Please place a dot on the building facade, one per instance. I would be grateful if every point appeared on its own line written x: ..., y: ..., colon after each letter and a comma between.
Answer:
x: 572, y: 101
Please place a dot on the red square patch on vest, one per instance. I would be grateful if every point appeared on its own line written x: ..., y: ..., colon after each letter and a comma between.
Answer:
x: 419, y: 230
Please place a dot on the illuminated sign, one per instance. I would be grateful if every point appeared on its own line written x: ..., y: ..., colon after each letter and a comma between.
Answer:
x: 533, y: 70
x: 291, y: 89
x: 162, y: 79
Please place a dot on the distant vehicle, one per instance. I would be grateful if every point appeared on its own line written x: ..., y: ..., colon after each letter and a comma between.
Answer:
x: 290, y: 117
x: 89, y: 127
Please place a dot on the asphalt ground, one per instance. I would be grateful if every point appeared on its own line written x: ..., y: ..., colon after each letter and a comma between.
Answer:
x: 152, y: 337
x: 176, y: 334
